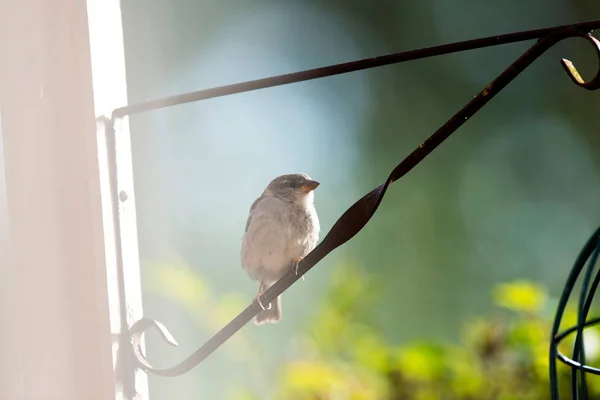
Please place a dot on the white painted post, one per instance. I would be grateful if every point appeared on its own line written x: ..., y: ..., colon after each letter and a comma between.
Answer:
x: 55, y: 337
x: 110, y: 92
x: 58, y: 292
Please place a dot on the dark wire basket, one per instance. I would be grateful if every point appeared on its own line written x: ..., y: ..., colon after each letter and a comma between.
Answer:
x: 586, y: 261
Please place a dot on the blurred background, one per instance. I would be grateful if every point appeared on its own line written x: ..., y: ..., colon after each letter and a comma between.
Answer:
x: 475, y: 241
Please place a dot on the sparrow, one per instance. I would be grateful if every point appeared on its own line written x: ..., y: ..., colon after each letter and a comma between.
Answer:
x: 282, y: 228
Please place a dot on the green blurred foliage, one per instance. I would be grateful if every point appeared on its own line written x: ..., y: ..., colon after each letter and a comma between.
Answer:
x: 503, y: 356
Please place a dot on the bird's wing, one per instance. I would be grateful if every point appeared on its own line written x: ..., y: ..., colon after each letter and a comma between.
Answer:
x: 252, y: 207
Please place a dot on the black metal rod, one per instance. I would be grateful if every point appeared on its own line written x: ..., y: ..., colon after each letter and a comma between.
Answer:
x: 337, y: 69
x: 572, y: 363
x: 579, y: 347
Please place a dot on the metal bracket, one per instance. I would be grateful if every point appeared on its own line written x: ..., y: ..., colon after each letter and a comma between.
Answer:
x: 357, y: 216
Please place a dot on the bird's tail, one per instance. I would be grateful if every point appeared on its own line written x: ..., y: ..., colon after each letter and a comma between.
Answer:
x: 272, y: 315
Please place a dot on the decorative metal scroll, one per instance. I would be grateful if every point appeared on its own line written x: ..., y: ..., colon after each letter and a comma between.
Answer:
x: 357, y: 216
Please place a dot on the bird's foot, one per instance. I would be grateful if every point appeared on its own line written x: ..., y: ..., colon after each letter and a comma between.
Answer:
x: 295, y: 266
x: 260, y: 293
x: 261, y: 304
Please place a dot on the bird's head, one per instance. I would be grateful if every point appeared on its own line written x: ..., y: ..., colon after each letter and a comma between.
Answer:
x: 292, y: 187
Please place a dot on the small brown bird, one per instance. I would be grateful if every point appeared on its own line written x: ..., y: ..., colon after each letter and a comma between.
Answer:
x: 281, y: 229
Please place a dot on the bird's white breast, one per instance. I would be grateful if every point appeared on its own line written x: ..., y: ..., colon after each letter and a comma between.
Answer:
x: 279, y: 233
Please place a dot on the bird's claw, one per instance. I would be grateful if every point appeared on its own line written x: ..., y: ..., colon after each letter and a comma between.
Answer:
x: 261, y: 304
x: 260, y: 293
x: 295, y: 266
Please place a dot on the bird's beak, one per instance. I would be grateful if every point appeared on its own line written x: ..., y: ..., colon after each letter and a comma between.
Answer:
x: 309, y: 186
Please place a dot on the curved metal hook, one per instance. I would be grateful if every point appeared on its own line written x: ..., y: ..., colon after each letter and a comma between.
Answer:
x: 136, y: 334
x: 574, y: 74
x: 359, y: 214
